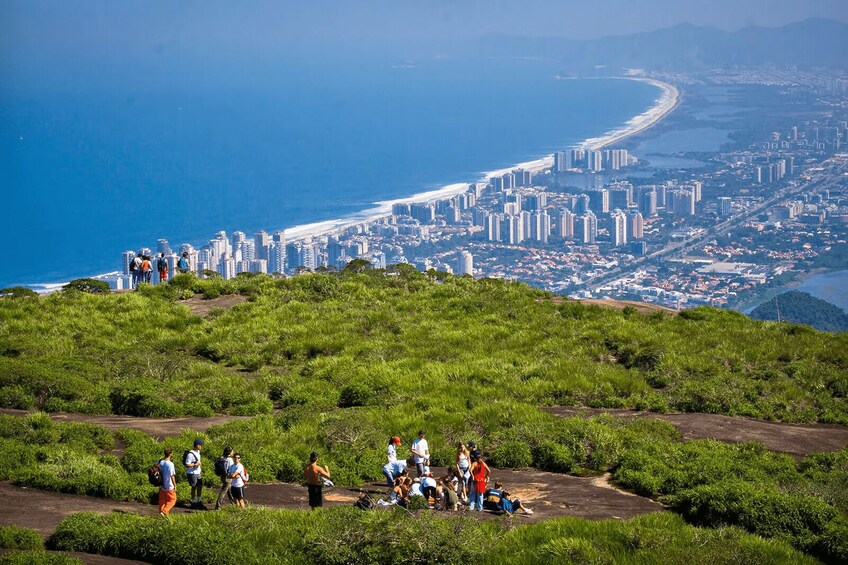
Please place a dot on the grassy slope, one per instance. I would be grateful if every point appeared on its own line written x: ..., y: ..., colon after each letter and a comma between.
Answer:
x: 353, y: 358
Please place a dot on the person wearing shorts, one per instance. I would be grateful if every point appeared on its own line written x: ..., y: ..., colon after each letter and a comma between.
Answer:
x: 195, y: 480
x: 240, y: 478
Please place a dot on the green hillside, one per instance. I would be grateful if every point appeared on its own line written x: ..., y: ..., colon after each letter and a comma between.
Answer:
x: 803, y: 308
x: 339, y: 362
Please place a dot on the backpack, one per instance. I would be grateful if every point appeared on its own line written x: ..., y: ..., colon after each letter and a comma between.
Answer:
x: 221, y: 467
x: 154, y: 475
x: 186, y: 453
x: 162, y: 264
x: 365, y: 502
x: 133, y: 264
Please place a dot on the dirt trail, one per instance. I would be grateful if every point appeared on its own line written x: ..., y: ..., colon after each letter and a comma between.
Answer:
x: 157, y: 427
x: 203, y: 308
x: 90, y: 558
x: 794, y: 439
x: 641, y: 307
x: 549, y: 495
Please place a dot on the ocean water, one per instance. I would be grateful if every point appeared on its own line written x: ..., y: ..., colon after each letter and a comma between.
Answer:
x: 831, y: 287
x: 95, y: 163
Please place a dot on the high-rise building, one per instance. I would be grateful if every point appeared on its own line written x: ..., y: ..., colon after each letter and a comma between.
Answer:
x: 424, y: 212
x: 493, y: 227
x: 238, y: 237
x: 724, y: 206
x: 512, y: 229
x: 586, y: 228
x: 565, y: 225
x: 465, y: 264
x: 599, y: 201
x: 540, y: 226
x: 261, y: 243
x: 649, y: 203
x: 523, y: 178
x: 635, y: 225
x: 594, y: 160
x: 525, y: 224
x: 536, y: 201
x: 618, y: 233
x: 581, y: 204
x: 683, y: 203
x: 559, y: 161
x: 162, y: 246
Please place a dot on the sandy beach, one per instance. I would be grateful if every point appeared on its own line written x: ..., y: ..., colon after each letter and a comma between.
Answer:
x: 664, y: 104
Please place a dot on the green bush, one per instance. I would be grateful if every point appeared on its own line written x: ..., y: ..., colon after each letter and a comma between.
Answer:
x: 13, y: 537
x: 37, y: 558
x: 514, y: 454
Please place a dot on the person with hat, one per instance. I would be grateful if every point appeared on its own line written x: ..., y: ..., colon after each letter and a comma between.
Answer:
x: 191, y: 460
x: 393, y: 466
x: 428, y: 486
x: 314, y: 482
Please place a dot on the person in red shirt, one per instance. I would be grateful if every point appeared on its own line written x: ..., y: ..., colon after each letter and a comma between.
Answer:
x: 480, y: 480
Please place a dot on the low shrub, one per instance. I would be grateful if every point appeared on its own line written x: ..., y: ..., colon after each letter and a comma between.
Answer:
x: 513, y: 454
x: 13, y: 537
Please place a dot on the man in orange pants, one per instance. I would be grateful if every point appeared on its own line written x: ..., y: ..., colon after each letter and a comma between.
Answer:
x: 168, y: 490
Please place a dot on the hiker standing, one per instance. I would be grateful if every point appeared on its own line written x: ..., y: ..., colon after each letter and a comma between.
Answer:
x: 240, y: 477
x: 480, y: 477
x: 162, y: 267
x: 463, y: 464
x: 135, y: 270
x: 183, y: 264
x: 391, y: 468
x: 222, y: 469
x: 168, y: 489
x: 146, y: 269
x: 314, y: 482
x: 191, y: 459
x: 421, y: 453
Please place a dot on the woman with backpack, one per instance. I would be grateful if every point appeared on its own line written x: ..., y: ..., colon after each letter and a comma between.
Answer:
x: 222, y: 466
x: 240, y: 477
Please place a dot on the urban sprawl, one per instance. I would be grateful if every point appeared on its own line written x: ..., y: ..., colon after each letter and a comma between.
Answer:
x: 596, y: 223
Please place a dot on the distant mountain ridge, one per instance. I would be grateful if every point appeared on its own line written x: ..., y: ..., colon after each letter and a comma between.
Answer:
x: 814, y: 42
x: 803, y: 308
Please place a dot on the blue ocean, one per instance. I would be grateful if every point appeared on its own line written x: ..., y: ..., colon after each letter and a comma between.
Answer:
x: 98, y: 162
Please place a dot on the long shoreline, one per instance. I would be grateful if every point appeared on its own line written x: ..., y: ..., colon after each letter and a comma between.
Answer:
x: 663, y: 106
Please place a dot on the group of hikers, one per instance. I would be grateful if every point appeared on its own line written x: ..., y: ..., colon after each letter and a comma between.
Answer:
x: 141, y: 268
x: 465, y: 484
x: 233, y: 474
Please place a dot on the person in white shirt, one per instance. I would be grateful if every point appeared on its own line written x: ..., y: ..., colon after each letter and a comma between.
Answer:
x: 192, y: 464
x: 428, y: 486
x: 421, y: 453
x: 240, y: 478
x: 168, y: 489
x: 392, y: 468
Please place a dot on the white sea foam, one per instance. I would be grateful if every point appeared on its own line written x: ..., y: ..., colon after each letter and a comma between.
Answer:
x: 664, y: 104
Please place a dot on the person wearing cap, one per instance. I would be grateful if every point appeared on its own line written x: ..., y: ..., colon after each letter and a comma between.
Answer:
x: 393, y: 466
x: 314, y: 483
x: 191, y: 460
x: 473, y: 451
x: 421, y: 453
